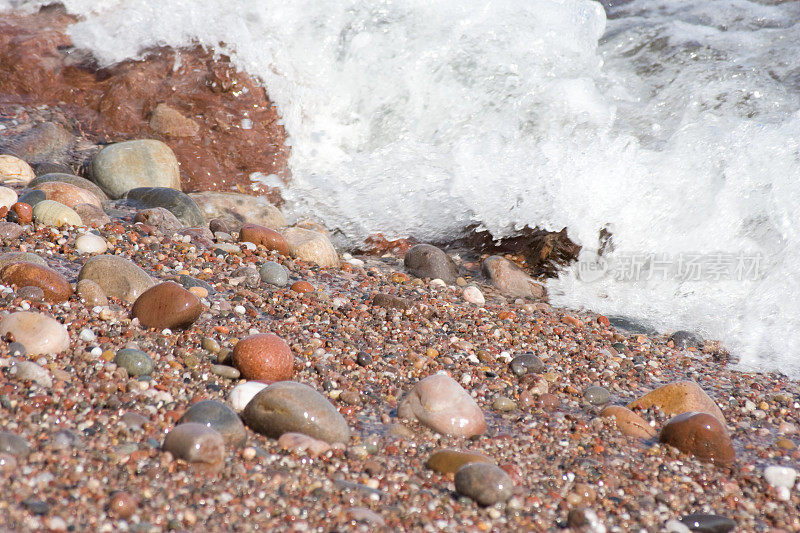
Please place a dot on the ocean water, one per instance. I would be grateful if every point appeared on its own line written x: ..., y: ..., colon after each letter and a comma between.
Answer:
x: 673, y: 125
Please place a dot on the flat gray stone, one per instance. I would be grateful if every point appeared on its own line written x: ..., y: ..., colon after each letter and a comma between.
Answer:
x: 218, y: 417
x: 118, y: 277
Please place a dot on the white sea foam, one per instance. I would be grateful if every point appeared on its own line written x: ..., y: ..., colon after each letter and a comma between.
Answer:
x: 673, y: 124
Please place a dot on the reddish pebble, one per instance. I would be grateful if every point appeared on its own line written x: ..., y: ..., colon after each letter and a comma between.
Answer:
x: 56, y: 288
x: 269, y: 238
x: 547, y: 401
x: 701, y: 435
x: 302, y: 287
x: 603, y: 321
x: 167, y: 305
x: 122, y: 505
x: 263, y: 357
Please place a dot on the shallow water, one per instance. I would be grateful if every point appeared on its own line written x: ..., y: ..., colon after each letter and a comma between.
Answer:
x: 673, y: 125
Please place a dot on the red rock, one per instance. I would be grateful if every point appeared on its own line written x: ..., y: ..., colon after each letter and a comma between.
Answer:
x: 166, y: 305
x: 263, y: 357
x: 679, y: 397
x: 269, y: 238
x: 56, y: 288
x: 169, y: 121
x: 448, y: 461
x: 701, y: 435
x: 603, y: 320
x: 547, y: 401
x: 24, y: 212
x: 302, y: 287
x: 629, y: 422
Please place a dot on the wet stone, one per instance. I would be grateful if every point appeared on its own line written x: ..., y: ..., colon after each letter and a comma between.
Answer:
x: 52, y: 213
x: 701, y: 435
x: 597, y: 395
x: 89, y: 243
x: 91, y: 293
x: 31, y: 293
x: 167, y: 305
x: 8, y: 258
x: 291, y: 407
x: 188, y: 282
x: 39, y: 334
x: 428, y: 261
x: 628, y: 422
x: 311, y: 246
x: 178, y: 203
x: 23, y: 211
x: 122, y: 505
x: 159, y: 218
x: 264, y: 357
x: 685, y: 339
x: 69, y: 195
x: 509, y: 279
x: 242, y: 393
x: 449, y: 461
x: 71, y: 179
x: 120, y: 167
x: 251, y: 277
x: 485, y: 483
x: 504, y: 404
x: 233, y: 210
x: 55, y: 287
x: 679, y: 397
x: 136, y: 362
x: 32, y: 197
x: 440, y: 403
x: 118, y: 277
x: 390, y: 301
x: 219, y: 417
x: 10, y: 230
x: 196, y: 443
x: 708, y: 523
x: 225, y: 371
x: 14, y: 444
x: 274, y: 274
x: 30, y: 371
x: 527, y: 363
x: 264, y: 236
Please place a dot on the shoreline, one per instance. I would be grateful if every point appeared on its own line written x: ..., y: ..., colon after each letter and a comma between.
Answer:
x: 95, y: 434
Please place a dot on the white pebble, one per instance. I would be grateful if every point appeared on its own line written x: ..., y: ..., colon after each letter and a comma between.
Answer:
x: 15, y: 170
x: 248, y: 245
x: 676, y: 526
x: 438, y: 283
x: 89, y: 243
x: 241, y: 394
x: 474, y: 295
x: 87, y: 335
x: 780, y: 476
x: 96, y: 351
x: 355, y: 262
x: 7, y: 197
x: 239, y: 309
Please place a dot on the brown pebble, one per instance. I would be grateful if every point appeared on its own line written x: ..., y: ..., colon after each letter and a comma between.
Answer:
x: 547, y: 402
x: 55, y: 286
x: 167, y: 305
x: 628, y: 422
x: 302, y: 287
x: 263, y: 357
x: 449, y: 461
x: 122, y: 505
x: 10, y: 230
x: 269, y: 238
x: 91, y: 293
x: 701, y: 435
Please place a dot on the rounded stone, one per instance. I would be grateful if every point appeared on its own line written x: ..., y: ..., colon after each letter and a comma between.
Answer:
x: 8, y: 197
x: 291, y: 407
x: 32, y: 197
x: 597, y: 395
x: 167, y: 305
x: 218, y: 417
x: 20, y: 257
x: 160, y: 219
x: 527, y: 363
x: 92, y: 216
x: 449, y: 461
x: 118, y: 277
x: 91, y: 293
x: 120, y: 167
x: 122, y: 505
x: 14, y: 444
x: 504, y: 404
x: 30, y: 371
x: 474, y: 295
x: 685, y: 339
x: 311, y: 246
x: 235, y: 209
x: 188, y: 282
x: 10, y: 230
x: 302, y: 287
x: 701, y: 435
x: 89, y: 243
x: 15, y: 171
x: 196, y: 443
x: 509, y: 279
x: 23, y: 211
x: 39, y: 334
x: 242, y: 393
x: 225, y: 371
x: 31, y: 293
x: 52, y: 213
x: 263, y: 357
x: 69, y: 195
x: 173, y: 200
x: 264, y: 236
x: 428, y: 261
x: 440, y: 403
x: 708, y: 523
x: 485, y: 483
x: 628, y: 422
x: 136, y: 362
x: 679, y: 397
x: 70, y: 179
x: 56, y: 288
x: 274, y: 274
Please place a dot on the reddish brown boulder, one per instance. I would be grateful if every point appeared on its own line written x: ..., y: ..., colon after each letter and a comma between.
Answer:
x: 302, y: 287
x: 55, y: 286
x: 700, y: 435
x: 263, y: 357
x: 166, y: 305
x: 269, y: 238
x: 68, y: 194
x: 679, y: 397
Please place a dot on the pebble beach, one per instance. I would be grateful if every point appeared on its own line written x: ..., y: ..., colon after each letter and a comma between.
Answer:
x: 190, y: 362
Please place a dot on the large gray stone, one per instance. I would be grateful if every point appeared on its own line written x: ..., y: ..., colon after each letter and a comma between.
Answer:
x: 173, y: 200
x: 291, y: 407
x: 236, y: 209
x: 120, y: 167
x: 428, y: 261
x: 218, y: 417
x: 117, y: 276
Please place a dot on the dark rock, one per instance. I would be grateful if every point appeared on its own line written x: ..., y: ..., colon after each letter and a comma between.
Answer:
x: 527, y: 363
x: 485, y: 483
x: 390, y: 301
x: 32, y: 197
x: 685, y: 339
x: 428, y: 261
x: 708, y: 523
x: 178, y: 203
